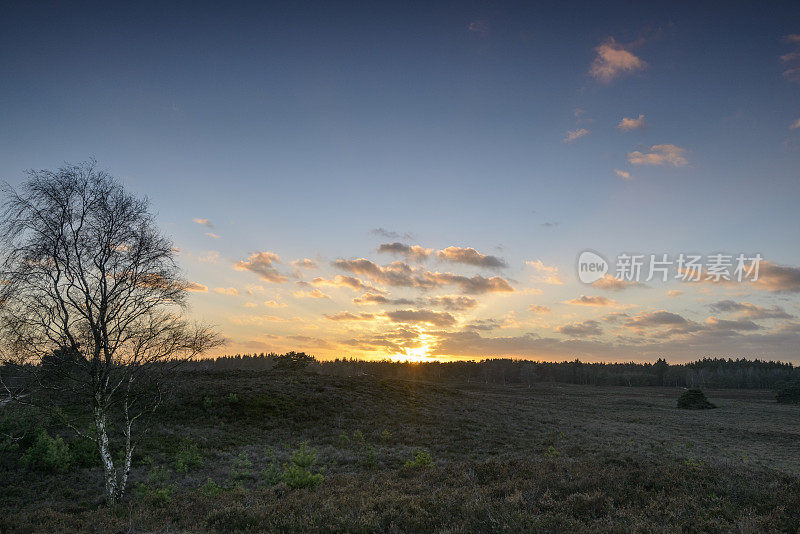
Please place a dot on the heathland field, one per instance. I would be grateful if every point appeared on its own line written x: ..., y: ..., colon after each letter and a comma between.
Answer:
x: 278, y: 451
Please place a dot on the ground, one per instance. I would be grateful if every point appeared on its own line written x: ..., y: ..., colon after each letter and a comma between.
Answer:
x: 553, y: 458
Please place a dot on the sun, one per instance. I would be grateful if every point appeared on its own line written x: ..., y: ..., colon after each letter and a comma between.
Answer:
x: 420, y: 353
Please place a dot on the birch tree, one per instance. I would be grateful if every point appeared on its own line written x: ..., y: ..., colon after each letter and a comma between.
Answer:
x: 92, y: 308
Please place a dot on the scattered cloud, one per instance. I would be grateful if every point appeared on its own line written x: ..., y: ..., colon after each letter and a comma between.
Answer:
x: 655, y: 319
x: 750, y: 311
x: 402, y: 275
x: 199, y: 288
x: 614, y: 60
x: 313, y: 294
x: 212, y: 235
x: 538, y: 308
x: 479, y: 27
x: 470, y: 256
x: 672, y: 293
x: 452, y: 302
x: 440, y: 319
x: 574, y: 135
x: 410, y: 252
x: 274, y: 304
x: 599, y: 301
x: 545, y: 274
x: 660, y: 155
x: 346, y: 281
x: 348, y: 316
x: 584, y: 329
x: 625, y: 175
x: 261, y: 263
x: 373, y: 298
x: 627, y: 124
x: 304, y: 263
x: 550, y: 224
x: 778, y: 278
x: 795, y: 124
x: 226, y: 291
x: 389, y: 234
x: 203, y: 222
x: 611, y: 283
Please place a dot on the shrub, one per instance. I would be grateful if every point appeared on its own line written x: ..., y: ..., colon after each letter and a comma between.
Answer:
x: 48, y: 454
x: 207, y: 403
x: 233, y: 398
x: 158, y: 491
x: 84, y: 453
x: 188, y: 456
x: 420, y: 460
x: 298, y: 472
x: 788, y: 395
x: 694, y: 399
x: 211, y: 488
x: 386, y: 435
x: 272, y: 474
x: 241, y: 467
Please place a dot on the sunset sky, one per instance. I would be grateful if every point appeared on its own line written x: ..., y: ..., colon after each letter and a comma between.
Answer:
x: 416, y: 181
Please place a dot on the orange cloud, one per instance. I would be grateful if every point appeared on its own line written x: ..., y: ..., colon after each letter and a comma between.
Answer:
x: 261, y: 263
x: 627, y: 124
x: 470, y: 256
x: 226, y: 291
x: 583, y: 300
x: 660, y: 155
x: 200, y: 288
x: 613, y: 60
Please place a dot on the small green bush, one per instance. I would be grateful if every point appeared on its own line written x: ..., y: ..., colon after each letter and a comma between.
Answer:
x: 694, y: 399
x: 84, y: 453
x: 207, y: 403
x: 211, y: 488
x: 298, y: 472
x: 48, y: 454
x: 272, y: 474
x: 420, y: 460
x: 240, y: 467
x: 188, y: 456
x: 159, y: 489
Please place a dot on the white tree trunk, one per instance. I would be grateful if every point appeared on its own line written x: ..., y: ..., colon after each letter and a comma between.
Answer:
x: 105, y: 455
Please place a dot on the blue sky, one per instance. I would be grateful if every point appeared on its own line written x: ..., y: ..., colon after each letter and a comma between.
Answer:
x: 298, y: 129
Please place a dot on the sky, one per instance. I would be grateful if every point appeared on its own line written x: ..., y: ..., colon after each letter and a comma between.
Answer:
x: 418, y: 180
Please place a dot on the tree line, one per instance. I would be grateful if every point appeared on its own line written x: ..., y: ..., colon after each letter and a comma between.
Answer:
x: 707, y: 372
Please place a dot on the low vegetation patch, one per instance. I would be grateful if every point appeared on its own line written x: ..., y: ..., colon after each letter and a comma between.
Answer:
x: 694, y: 399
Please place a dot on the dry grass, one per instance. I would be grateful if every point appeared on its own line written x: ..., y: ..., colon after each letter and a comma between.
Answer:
x: 505, y: 459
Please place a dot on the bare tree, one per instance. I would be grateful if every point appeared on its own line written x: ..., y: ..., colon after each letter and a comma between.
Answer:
x: 91, y: 308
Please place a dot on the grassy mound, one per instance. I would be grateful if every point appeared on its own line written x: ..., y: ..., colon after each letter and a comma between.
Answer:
x: 694, y: 399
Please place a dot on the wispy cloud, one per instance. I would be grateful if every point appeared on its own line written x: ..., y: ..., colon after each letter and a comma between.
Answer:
x: 203, y: 222
x: 546, y: 274
x: 574, y: 135
x: 625, y: 175
x: 627, y: 124
x: 313, y: 294
x: 231, y: 291
x: 659, y: 155
x: 614, y: 60
x: 599, y: 301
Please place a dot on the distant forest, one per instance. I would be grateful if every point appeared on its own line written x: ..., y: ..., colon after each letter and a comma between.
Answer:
x: 708, y: 372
